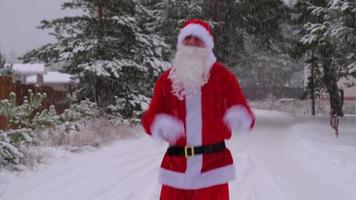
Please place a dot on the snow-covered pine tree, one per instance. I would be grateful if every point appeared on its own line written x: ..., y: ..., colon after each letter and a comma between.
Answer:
x: 167, y: 16
x: 106, y: 47
x: 250, y: 38
x: 14, y: 148
x: 301, y: 14
x: 352, y: 70
x: 348, y: 12
x: 228, y: 32
x: 263, y: 19
x: 330, y: 38
x: 20, y: 116
x: 232, y: 26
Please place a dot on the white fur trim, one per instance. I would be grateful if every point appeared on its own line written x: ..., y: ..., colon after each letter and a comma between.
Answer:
x: 193, y: 122
x: 167, y: 127
x: 198, y: 31
x: 211, y: 59
x: 193, y: 119
x: 197, y: 180
x: 238, y: 119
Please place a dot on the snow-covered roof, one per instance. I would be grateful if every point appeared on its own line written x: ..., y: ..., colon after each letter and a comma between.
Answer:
x: 52, y: 77
x: 28, y: 69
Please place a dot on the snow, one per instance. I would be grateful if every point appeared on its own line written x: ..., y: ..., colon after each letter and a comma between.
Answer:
x: 283, y: 158
x: 28, y: 69
x: 290, y: 3
x: 11, y: 148
x: 52, y: 77
x: 352, y: 68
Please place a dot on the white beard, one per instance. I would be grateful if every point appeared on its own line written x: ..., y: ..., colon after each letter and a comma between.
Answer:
x: 190, y: 70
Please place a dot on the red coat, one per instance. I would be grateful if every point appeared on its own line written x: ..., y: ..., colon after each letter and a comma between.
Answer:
x: 203, y: 117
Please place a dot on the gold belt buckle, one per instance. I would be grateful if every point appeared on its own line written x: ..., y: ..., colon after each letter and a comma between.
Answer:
x: 188, y: 149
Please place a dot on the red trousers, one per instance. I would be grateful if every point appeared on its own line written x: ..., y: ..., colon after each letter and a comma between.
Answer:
x: 218, y: 192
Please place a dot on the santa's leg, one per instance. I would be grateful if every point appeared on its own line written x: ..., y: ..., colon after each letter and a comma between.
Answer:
x: 218, y: 192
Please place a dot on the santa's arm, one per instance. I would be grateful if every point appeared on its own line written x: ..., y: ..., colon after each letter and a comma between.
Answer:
x: 156, y: 120
x: 156, y: 106
x: 238, y: 115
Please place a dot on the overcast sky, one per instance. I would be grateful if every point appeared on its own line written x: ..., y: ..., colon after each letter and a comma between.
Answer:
x: 18, y: 22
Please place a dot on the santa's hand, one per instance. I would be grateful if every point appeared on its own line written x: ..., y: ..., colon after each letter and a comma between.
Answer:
x: 238, y: 119
x: 167, y: 127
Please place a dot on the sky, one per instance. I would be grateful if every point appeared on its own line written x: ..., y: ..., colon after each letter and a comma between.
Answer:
x: 18, y: 22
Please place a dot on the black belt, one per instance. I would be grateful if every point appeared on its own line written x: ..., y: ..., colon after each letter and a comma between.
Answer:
x: 191, y: 151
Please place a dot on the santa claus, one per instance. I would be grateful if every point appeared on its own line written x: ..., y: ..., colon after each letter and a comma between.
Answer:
x: 195, y: 107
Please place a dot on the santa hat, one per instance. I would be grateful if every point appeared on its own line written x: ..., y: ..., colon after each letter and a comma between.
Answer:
x: 198, y: 28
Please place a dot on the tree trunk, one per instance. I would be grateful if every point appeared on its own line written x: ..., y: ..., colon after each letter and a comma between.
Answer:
x: 100, y: 28
x: 312, y: 83
x: 330, y: 81
x: 216, y: 9
x: 99, y: 50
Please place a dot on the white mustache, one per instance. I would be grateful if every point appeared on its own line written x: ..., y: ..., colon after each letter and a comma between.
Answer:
x: 190, y: 70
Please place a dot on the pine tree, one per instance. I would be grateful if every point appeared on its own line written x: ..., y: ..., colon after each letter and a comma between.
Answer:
x: 330, y: 39
x: 107, y: 48
x: 249, y: 38
x: 352, y: 70
x: 234, y: 23
x: 348, y: 12
x: 167, y: 16
x: 228, y: 33
x: 298, y: 50
x: 263, y: 19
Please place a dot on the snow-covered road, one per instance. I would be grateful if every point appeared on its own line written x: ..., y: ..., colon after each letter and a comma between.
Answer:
x: 284, y: 158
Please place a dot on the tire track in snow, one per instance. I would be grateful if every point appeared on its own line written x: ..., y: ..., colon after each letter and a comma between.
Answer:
x: 144, y: 182
x: 4, y: 182
x: 139, y: 169
x: 80, y: 171
x: 84, y: 171
x: 81, y: 159
x: 329, y: 155
x: 284, y: 165
x: 106, y: 175
x: 253, y: 183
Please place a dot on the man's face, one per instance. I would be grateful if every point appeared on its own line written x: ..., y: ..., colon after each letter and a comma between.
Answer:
x: 193, y: 41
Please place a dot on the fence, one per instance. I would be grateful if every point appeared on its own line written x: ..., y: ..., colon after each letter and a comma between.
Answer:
x: 54, y: 97
x: 6, y: 87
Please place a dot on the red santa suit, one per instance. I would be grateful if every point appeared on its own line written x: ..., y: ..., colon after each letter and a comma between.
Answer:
x: 208, y: 117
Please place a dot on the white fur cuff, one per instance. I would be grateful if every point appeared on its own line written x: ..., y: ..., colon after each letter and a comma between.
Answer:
x: 167, y: 127
x: 238, y: 119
